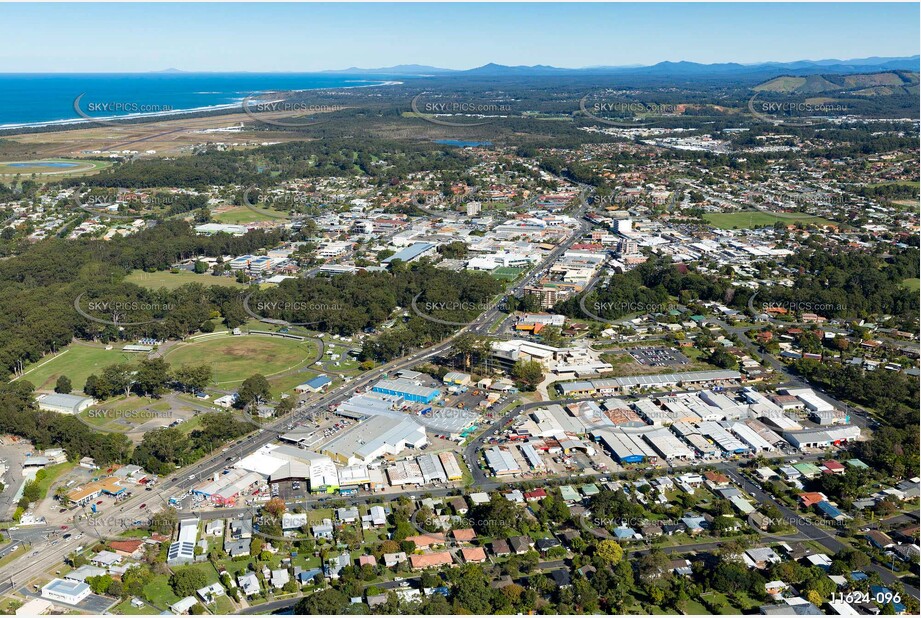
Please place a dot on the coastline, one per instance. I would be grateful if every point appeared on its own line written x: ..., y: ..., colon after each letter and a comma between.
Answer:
x: 236, y: 106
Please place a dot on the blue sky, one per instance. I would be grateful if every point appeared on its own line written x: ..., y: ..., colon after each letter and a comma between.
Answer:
x: 311, y: 37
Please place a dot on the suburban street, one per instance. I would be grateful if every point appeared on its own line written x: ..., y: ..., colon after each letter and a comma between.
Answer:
x: 137, y: 507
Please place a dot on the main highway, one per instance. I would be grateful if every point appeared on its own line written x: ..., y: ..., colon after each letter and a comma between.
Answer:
x: 138, y: 507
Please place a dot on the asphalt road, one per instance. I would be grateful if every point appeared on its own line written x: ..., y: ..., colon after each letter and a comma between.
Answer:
x: 807, y: 529
x: 112, y: 522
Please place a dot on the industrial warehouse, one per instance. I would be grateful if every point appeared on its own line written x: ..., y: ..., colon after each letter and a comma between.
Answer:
x: 613, y: 386
x: 684, y: 427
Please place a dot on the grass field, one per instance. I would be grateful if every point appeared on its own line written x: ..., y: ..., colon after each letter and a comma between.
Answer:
x: 158, y: 592
x: 912, y: 284
x: 52, y: 473
x: 171, y: 280
x: 123, y: 414
x: 125, y: 608
x: 754, y: 219
x: 76, y: 362
x: 508, y: 273
x: 240, y: 215
x: 233, y: 359
x: 904, y: 183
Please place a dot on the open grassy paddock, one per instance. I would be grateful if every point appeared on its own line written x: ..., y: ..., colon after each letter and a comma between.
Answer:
x: 171, y: 280
x: 235, y: 358
x: 912, y: 284
x: 77, y: 362
x: 755, y: 219
x: 239, y: 215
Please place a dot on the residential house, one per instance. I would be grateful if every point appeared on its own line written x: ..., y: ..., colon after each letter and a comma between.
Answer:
x: 500, y: 547
x: 335, y: 565
x: 249, y: 584
x: 473, y: 554
x: 681, y: 566
x: 545, y: 545
x: 280, y: 577
x: 391, y: 560
x: 426, y: 561
x: 459, y: 505
x: 347, y: 515
x: 428, y: 540
x: 520, y: 544
x: 760, y: 557
x: 209, y: 594
x: 880, y: 540
x: 561, y: 578
x: 323, y: 530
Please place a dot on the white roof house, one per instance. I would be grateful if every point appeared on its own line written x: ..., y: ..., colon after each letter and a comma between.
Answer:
x: 249, y: 584
x: 280, y: 577
x: 182, y: 606
x: 209, y: 593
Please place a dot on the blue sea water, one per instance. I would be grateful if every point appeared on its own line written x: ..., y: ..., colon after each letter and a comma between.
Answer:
x: 37, y: 99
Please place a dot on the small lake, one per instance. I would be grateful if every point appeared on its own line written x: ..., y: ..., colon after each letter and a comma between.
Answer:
x: 53, y: 164
x: 458, y: 143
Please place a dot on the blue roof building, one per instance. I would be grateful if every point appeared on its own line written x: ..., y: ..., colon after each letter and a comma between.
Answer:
x: 829, y: 511
x: 884, y: 596
x: 315, y: 384
x: 410, y: 253
x: 410, y: 391
x: 623, y: 532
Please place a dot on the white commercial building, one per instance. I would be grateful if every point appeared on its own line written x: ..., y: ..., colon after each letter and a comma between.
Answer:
x: 501, y: 462
x: 751, y: 437
x: 66, y: 591
x: 64, y: 404
x: 810, y: 399
x: 405, y: 473
x: 374, y: 438
x: 668, y: 445
x: 182, y: 550
x: 432, y: 470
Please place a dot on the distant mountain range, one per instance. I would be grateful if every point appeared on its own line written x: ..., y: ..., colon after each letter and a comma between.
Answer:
x: 677, y: 69
x: 861, y: 84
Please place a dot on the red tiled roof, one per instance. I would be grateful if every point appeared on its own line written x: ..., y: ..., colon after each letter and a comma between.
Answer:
x: 473, y: 554
x: 464, y: 534
x: 810, y: 498
x: 424, y: 561
x: 427, y: 540
x: 128, y: 546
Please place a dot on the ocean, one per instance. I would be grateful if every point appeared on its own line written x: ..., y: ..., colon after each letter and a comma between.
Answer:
x: 49, y: 98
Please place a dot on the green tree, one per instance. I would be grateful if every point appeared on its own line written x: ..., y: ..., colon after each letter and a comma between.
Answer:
x: 254, y: 391
x: 610, y: 552
x: 63, y: 385
x: 529, y: 373
x: 323, y: 603
x: 152, y: 376
x: 193, y: 378
x: 99, y: 583
x: 185, y: 582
